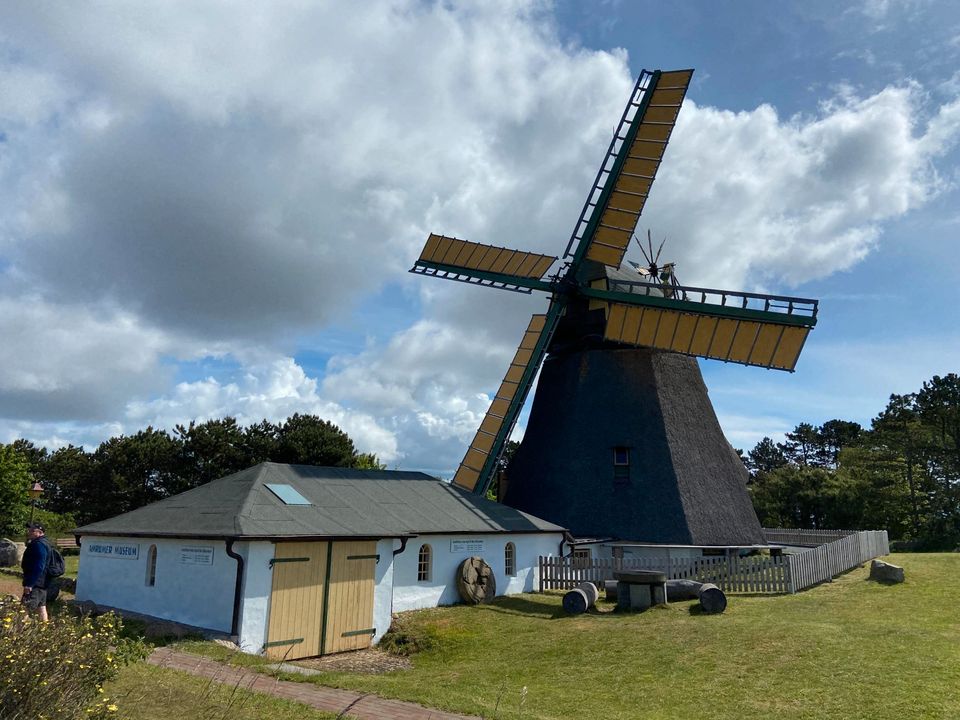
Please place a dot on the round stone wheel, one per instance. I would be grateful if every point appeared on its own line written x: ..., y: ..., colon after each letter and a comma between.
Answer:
x: 712, y: 599
x: 590, y: 590
x: 475, y: 581
x: 575, y: 602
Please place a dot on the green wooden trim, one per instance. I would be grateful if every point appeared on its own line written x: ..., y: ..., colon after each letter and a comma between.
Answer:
x: 697, y: 308
x: 274, y: 561
x: 354, y: 633
x: 364, y: 557
x: 531, y: 283
x: 277, y: 643
x: 607, y: 191
x: 326, y: 599
x: 557, y: 304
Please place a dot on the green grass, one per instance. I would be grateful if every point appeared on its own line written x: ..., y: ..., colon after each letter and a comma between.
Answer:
x: 71, y: 565
x: 147, y: 692
x: 847, y: 649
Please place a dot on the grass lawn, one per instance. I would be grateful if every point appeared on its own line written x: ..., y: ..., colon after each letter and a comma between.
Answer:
x: 146, y: 692
x: 846, y: 649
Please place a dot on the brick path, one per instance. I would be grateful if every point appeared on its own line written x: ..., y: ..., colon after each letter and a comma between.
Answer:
x: 345, y: 702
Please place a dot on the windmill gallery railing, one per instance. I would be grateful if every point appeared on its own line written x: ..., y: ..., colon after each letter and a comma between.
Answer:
x: 763, y: 574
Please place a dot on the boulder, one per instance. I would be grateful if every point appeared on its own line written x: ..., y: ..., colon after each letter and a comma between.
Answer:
x: 85, y: 607
x: 8, y: 553
x: 885, y: 572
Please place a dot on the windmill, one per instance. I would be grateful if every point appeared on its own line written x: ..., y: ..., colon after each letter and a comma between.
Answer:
x: 622, y: 439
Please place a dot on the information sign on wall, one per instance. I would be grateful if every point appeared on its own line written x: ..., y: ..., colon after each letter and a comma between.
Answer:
x: 470, y: 546
x: 196, y: 555
x: 123, y: 551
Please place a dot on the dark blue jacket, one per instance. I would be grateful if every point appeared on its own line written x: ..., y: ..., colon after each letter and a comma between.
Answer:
x: 34, y: 563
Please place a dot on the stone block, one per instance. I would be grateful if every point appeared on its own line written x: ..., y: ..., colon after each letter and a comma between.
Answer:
x: 886, y: 572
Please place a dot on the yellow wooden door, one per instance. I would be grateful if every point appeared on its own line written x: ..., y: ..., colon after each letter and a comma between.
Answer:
x: 296, y: 600
x: 349, y: 624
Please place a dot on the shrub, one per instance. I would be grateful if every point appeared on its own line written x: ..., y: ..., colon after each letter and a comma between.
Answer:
x: 56, y: 670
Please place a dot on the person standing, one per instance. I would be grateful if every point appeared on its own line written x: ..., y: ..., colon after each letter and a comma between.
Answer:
x: 34, y: 565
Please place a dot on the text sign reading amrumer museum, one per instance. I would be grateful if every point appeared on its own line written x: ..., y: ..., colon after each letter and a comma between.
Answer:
x: 196, y: 555
x: 124, y: 551
x: 470, y: 546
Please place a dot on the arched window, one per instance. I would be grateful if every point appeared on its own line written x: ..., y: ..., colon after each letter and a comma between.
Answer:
x: 424, y: 564
x: 152, y: 566
x: 510, y: 559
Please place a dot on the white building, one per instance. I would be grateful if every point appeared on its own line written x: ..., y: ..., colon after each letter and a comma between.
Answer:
x: 299, y: 561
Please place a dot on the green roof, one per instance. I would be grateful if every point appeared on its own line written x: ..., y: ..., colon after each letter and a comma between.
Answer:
x: 343, y: 503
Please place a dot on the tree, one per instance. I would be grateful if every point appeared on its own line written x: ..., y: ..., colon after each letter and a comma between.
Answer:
x: 65, y: 475
x: 209, y: 451
x: 261, y: 442
x: 131, y: 471
x: 800, y: 447
x: 308, y: 440
x: 764, y: 457
x: 15, y: 480
x: 832, y: 437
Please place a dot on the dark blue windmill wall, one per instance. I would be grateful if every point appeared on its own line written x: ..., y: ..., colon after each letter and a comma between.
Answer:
x: 686, y: 486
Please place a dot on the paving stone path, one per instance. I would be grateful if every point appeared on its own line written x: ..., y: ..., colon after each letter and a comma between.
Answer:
x: 344, y: 702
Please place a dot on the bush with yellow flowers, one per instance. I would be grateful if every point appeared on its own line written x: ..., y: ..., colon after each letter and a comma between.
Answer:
x: 56, y: 670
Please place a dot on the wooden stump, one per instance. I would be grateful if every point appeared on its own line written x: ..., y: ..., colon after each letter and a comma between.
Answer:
x: 576, y: 602
x: 475, y: 581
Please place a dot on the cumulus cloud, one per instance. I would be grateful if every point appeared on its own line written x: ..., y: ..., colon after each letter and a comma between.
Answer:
x: 188, y: 179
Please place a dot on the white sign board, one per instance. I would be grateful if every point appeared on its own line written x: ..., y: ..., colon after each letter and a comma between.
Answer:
x: 196, y: 555
x: 466, y: 546
x: 122, y: 551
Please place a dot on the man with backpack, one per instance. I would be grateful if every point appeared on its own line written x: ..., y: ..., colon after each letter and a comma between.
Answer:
x: 36, y: 566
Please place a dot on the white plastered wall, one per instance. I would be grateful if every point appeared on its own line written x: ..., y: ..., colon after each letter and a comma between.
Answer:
x: 194, y: 594
x: 441, y: 589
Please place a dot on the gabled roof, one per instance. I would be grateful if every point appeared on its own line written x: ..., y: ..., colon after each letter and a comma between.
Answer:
x: 343, y: 503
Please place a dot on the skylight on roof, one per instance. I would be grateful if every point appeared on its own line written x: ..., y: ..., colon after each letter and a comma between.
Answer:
x: 287, y: 494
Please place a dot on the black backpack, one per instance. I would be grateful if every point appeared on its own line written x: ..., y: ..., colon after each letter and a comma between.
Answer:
x: 55, y: 565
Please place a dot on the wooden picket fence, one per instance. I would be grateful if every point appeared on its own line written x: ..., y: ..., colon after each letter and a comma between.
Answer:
x: 759, y: 574
x: 754, y: 574
x: 809, y: 538
x: 825, y: 562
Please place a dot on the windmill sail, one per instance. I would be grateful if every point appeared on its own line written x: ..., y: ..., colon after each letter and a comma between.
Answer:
x: 764, y: 344
x: 476, y: 470
x: 620, y: 191
x: 482, y: 264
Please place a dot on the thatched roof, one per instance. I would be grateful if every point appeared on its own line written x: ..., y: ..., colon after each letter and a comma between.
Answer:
x: 686, y: 485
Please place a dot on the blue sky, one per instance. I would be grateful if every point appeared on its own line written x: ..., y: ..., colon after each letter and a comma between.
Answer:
x: 210, y: 208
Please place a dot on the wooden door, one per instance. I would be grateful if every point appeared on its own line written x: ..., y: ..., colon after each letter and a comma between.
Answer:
x: 296, y: 600
x: 349, y: 624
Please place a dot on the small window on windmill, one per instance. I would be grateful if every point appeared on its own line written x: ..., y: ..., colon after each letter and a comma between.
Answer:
x: 621, y: 464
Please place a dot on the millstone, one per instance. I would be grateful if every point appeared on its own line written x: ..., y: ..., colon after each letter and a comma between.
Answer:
x: 590, y: 590
x: 576, y: 602
x: 475, y: 581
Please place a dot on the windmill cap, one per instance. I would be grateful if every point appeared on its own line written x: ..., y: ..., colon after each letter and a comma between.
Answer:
x: 36, y: 526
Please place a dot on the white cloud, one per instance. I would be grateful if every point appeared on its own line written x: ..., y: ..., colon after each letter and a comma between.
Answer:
x: 748, y: 199
x: 233, y: 180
